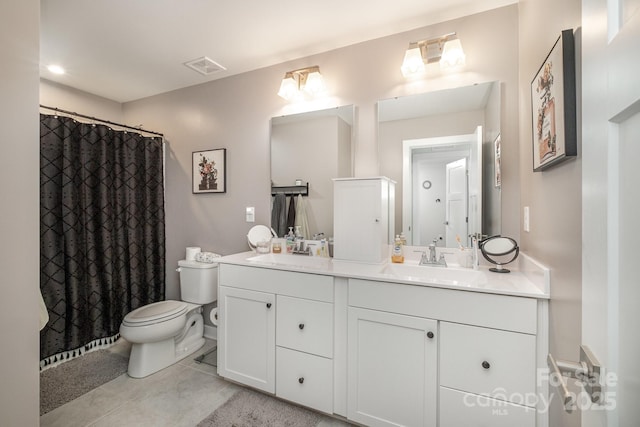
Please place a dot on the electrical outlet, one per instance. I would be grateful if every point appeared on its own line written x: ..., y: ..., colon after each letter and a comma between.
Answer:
x: 250, y: 214
x: 525, y: 222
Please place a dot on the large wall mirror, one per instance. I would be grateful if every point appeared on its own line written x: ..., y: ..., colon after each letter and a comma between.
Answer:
x: 443, y: 150
x: 313, y: 148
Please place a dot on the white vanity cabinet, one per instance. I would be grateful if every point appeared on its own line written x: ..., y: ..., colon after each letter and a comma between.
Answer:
x: 477, y: 368
x: 275, y: 333
x: 363, y: 218
x: 354, y: 342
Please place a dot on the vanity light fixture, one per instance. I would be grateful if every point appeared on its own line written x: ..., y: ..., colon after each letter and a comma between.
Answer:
x: 306, y: 79
x: 446, y: 49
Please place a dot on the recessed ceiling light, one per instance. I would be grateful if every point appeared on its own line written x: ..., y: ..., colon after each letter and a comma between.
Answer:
x: 55, y: 69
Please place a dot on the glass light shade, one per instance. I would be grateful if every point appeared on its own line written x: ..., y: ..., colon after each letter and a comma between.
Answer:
x: 413, y: 63
x: 315, y: 84
x: 288, y: 88
x: 452, y: 55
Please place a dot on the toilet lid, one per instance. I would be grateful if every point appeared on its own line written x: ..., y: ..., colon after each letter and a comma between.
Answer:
x: 155, y: 312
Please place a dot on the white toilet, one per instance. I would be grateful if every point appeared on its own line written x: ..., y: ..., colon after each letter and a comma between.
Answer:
x: 165, y: 332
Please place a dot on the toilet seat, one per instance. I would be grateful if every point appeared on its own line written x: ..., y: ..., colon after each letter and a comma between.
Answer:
x: 155, y: 313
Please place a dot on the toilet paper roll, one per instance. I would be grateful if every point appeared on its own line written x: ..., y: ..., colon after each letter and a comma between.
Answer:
x: 213, y: 316
x: 191, y: 253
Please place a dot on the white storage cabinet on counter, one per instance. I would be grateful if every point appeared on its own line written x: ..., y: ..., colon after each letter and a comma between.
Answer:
x: 363, y: 218
x: 275, y: 333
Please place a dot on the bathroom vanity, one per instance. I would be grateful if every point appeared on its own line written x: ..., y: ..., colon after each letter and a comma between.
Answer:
x: 387, y: 344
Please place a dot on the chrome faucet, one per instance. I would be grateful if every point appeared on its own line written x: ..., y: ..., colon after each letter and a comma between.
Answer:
x: 301, y: 247
x: 432, y: 258
x: 432, y: 251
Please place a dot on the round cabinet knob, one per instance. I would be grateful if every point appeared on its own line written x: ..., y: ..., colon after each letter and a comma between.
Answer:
x: 268, y: 305
x: 301, y: 380
x: 430, y: 334
x: 301, y: 326
x: 486, y: 365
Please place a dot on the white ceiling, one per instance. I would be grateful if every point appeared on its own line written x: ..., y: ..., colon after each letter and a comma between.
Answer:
x: 130, y: 49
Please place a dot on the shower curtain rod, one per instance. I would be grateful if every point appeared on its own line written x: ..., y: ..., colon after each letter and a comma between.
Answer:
x: 139, y: 129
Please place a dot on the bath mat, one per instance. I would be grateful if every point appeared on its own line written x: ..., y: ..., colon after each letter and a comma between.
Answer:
x: 248, y: 408
x: 72, y: 379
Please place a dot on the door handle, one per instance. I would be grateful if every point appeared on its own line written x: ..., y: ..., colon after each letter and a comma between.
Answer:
x: 587, y: 371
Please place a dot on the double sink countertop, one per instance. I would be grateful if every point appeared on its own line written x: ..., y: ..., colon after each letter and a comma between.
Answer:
x: 527, y: 278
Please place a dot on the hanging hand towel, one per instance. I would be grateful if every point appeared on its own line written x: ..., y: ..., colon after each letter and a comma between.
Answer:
x: 301, y: 217
x: 291, y: 216
x: 278, y: 214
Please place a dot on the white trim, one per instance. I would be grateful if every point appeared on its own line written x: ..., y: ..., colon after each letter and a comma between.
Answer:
x: 211, y: 332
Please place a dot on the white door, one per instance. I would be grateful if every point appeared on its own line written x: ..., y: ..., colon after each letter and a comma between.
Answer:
x: 392, y: 366
x: 456, y: 202
x: 247, y: 337
x: 611, y: 204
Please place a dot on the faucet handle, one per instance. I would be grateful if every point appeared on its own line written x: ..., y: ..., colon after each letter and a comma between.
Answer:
x: 423, y: 259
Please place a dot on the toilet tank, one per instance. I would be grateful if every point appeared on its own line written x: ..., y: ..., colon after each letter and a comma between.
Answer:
x: 198, y: 281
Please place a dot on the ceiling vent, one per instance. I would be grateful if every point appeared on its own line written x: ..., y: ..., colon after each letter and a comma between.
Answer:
x: 204, y: 66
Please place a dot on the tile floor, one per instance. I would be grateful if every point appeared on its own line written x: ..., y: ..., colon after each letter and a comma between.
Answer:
x: 178, y: 396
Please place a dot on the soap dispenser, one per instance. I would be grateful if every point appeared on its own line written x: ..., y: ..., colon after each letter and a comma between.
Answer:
x: 290, y: 241
x: 397, y: 254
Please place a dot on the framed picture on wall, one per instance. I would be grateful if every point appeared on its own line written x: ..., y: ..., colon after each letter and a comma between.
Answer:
x: 209, y: 171
x: 553, y: 105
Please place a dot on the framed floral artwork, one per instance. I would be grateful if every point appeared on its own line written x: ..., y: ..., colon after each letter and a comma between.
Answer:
x: 209, y: 171
x: 553, y: 105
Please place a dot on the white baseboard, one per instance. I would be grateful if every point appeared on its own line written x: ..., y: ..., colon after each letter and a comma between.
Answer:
x: 211, y: 332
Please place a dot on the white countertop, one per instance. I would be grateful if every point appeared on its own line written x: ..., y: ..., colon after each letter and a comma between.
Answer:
x: 526, y: 279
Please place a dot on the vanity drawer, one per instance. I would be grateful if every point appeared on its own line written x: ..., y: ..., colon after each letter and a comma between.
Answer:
x: 305, y: 379
x: 510, y: 313
x: 486, y: 361
x: 305, y: 325
x: 302, y: 285
x: 471, y: 410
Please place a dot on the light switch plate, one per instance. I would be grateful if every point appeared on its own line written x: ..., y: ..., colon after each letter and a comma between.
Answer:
x: 250, y: 214
x: 525, y: 222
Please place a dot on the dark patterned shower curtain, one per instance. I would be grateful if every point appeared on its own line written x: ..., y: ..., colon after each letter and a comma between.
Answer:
x: 102, y: 236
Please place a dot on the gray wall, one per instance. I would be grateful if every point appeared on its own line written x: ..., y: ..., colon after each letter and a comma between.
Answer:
x: 554, y: 195
x: 235, y: 112
x: 19, y: 212
x: 67, y: 98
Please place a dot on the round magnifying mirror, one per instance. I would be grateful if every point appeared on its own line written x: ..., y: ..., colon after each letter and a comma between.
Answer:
x: 496, y: 249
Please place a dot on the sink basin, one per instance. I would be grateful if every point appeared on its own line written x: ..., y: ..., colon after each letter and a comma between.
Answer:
x: 435, y: 275
x: 289, y: 260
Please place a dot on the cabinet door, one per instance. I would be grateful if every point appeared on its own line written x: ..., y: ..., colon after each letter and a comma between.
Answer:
x: 392, y: 361
x: 246, y: 337
x: 361, y: 219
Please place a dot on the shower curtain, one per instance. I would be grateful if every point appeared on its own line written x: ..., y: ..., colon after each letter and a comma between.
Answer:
x: 102, y: 232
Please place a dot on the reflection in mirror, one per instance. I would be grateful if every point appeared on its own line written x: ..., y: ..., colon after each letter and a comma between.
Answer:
x: 445, y: 138
x: 314, y: 148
